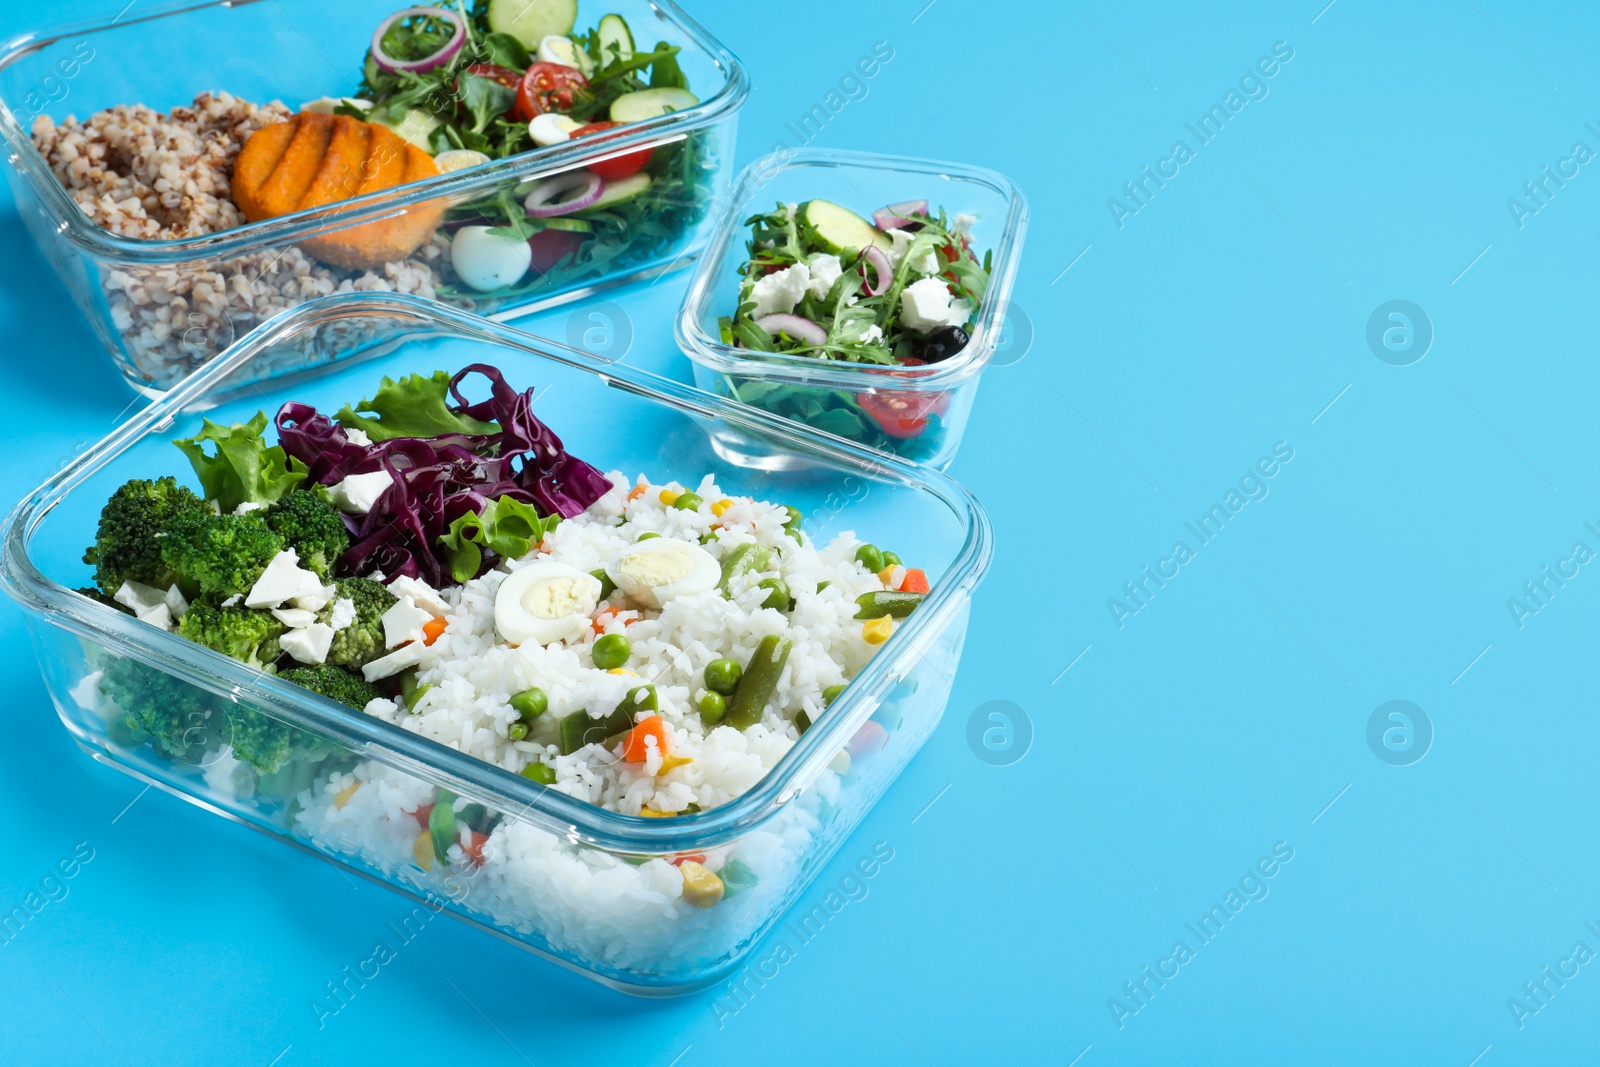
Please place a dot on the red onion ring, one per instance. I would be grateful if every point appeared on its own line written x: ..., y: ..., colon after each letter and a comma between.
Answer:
x: 894, y: 217
x: 801, y: 329
x: 445, y: 54
x: 880, y: 265
x: 542, y: 203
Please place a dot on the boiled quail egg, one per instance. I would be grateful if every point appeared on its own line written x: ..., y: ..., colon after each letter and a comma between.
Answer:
x: 656, y: 570
x: 545, y: 602
x: 488, y: 261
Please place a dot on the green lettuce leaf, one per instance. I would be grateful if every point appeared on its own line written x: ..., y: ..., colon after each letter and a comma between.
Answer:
x: 415, y: 406
x: 240, y: 468
x: 507, y: 527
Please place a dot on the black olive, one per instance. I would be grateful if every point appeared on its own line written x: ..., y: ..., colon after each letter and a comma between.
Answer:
x: 942, y: 343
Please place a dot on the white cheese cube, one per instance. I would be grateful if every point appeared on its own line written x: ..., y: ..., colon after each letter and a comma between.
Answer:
x: 294, y: 618
x: 309, y: 644
x: 404, y: 622
x: 778, y: 293
x: 357, y: 494
x: 283, y: 580
x: 825, y: 269
x: 925, y: 305
x: 424, y: 595
x: 395, y: 662
x: 343, y: 614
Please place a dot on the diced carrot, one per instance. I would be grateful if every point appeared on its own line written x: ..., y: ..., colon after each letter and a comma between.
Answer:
x: 423, y: 813
x: 634, y: 749
x: 432, y: 629
x: 689, y: 857
x: 637, y: 491
x: 916, y: 581
x: 474, y: 847
x: 602, y: 618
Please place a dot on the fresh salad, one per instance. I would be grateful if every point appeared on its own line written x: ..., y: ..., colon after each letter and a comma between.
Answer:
x: 901, y: 290
x: 449, y: 567
x: 510, y: 76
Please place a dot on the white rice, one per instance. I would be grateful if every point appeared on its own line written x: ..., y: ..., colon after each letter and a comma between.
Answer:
x: 582, y: 901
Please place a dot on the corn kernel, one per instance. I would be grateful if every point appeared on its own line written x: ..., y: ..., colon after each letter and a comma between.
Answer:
x: 669, y: 496
x: 422, y: 850
x: 877, y: 631
x: 886, y: 575
x: 622, y: 670
x: 721, y: 506
x: 701, y: 886
x: 344, y: 795
x: 649, y: 814
x: 672, y: 763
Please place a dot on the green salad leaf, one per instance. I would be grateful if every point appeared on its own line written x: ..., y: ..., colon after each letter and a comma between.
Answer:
x: 507, y: 527
x: 239, y: 468
x: 415, y: 406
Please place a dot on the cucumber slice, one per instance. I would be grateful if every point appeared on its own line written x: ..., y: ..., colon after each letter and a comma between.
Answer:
x: 570, y: 225
x: 531, y: 21
x: 560, y: 49
x: 416, y: 126
x: 839, y: 230
x: 617, y: 192
x: 650, y: 103
x: 616, y: 40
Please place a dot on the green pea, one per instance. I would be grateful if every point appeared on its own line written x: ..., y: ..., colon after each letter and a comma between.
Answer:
x: 530, y: 703
x: 794, y: 517
x: 794, y: 535
x: 830, y: 694
x: 688, y: 502
x: 891, y: 560
x: 802, y: 721
x: 779, y: 596
x: 517, y: 731
x: 611, y: 651
x: 607, y: 586
x: 722, y: 676
x: 542, y: 773
x: 870, y: 557
x: 713, y: 706
x: 646, y: 536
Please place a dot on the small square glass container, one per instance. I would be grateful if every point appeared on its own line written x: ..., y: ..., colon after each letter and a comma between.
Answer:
x: 918, y: 413
x: 162, y: 308
x: 588, y: 888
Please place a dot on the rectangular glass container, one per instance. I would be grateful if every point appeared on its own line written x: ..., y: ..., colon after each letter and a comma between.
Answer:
x: 588, y: 888
x: 164, y: 307
x: 916, y: 412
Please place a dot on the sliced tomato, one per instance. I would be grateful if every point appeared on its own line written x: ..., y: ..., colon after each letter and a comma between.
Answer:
x: 903, y: 415
x: 618, y: 167
x: 423, y: 813
x: 547, y: 87
x: 550, y: 247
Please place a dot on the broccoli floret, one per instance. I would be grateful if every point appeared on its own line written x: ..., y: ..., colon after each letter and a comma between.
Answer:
x: 335, y: 684
x: 312, y: 527
x: 362, y: 641
x: 245, y: 634
x: 127, y: 546
x: 222, y: 554
x: 262, y: 741
x: 179, y: 719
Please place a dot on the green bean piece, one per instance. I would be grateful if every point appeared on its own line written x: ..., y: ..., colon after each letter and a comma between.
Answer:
x: 410, y: 692
x: 542, y: 773
x: 736, y: 877
x: 830, y: 694
x: 722, y: 676
x: 870, y: 557
x: 713, y: 706
x: 802, y: 721
x: 530, y: 703
x: 442, y: 826
x: 579, y: 729
x: 517, y: 731
x: 611, y: 651
x: 794, y: 517
x: 891, y: 560
x: 645, y: 537
x: 823, y: 585
x: 760, y: 680
x: 607, y: 586
x: 778, y: 597
x: 794, y: 534
x: 688, y: 501
x: 877, y: 605
x: 742, y: 560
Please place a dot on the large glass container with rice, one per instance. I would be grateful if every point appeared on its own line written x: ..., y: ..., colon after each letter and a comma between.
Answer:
x: 655, y: 903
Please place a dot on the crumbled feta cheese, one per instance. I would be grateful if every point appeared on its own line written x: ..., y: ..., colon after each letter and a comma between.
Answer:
x: 395, y: 662
x: 964, y: 222
x: 283, y: 580
x: 315, y: 601
x: 308, y: 644
x: 778, y: 293
x: 233, y: 600
x: 139, y: 598
x: 925, y: 305
x: 294, y: 618
x: 926, y: 263
x: 825, y: 269
x: 343, y: 614
x: 872, y: 335
x: 86, y: 694
x: 357, y: 493
x: 425, y: 595
x: 356, y: 436
x: 176, y: 602
x: 403, y: 622
x: 248, y: 506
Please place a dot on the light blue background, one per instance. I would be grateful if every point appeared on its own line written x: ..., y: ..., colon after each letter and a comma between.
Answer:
x: 1226, y: 716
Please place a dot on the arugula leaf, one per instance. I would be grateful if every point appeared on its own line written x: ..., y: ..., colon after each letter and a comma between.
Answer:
x: 415, y: 406
x: 504, y: 50
x: 485, y: 99
x: 518, y: 226
x: 241, y: 469
x: 506, y: 527
x: 665, y: 72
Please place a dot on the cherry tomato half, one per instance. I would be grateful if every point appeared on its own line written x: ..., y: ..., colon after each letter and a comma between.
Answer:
x: 903, y: 415
x: 505, y: 76
x: 547, y: 87
x: 550, y: 247
x: 618, y: 167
